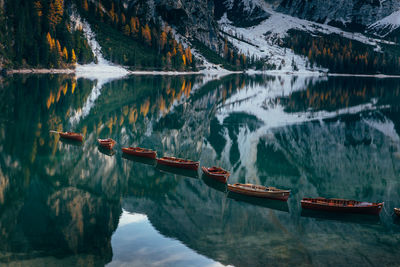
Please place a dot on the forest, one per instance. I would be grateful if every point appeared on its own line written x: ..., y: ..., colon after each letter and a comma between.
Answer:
x: 40, y: 34
x: 341, y: 55
x: 37, y: 33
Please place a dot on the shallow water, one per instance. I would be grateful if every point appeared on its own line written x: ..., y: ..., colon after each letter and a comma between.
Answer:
x: 72, y: 204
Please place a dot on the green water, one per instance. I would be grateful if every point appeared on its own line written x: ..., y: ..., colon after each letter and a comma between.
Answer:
x: 65, y: 204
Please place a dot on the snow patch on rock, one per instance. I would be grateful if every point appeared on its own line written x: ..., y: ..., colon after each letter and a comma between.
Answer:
x: 386, y: 25
x: 103, y: 69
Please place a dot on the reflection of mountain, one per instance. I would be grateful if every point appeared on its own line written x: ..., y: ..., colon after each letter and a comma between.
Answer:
x: 49, y: 207
x: 339, y: 93
x: 64, y: 200
x: 349, y: 156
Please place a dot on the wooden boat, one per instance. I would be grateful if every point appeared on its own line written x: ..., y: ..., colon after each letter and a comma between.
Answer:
x: 341, y: 205
x: 106, y: 143
x: 140, y: 152
x: 179, y: 163
x: 216, y: 173
x: 260, y: 191
x: 397, y: 211
x: 71, y: 136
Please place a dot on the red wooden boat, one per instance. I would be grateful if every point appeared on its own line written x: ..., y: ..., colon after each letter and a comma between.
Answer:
x: 140, y: 152
x: 341, y: 205
x: 397, y: 211
x: 179, y: 163
x: 71, y: 136
x: 106, y: 143
x: 259, y: 191
x: 216, y: 173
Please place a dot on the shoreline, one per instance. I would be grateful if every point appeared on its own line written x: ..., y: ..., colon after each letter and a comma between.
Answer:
x: 202, y: 72
x: 128, y: 72
x: 40, y: 71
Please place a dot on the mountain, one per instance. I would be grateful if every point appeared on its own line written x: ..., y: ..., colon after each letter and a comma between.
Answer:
x: 355, y: 36
x: 356, y: 14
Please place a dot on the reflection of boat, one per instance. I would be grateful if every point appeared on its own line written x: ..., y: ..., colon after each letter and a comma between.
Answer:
x: 106, y: 143
x: 344, y: 217
x: 214, y: 184
x: 397, y: 211
x: 179, y: 163
x: 260, y: 191
x: 71, y: 136
x: 71, y: 142
x: 267, y: 203
x: 341, y: 205
x: 216, y: 173
x: 140, y: 152
x: 182, y: 172
x: 143, y: 160
x: 106, y: 151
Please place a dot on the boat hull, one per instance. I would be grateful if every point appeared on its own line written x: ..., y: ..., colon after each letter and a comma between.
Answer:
x: 218, y: 177
x: 278, y: 195
x: 75, y: 137
x: 145, y: 154
x: 107, y: 144
x: 373, y: 209
x: 183, y: 165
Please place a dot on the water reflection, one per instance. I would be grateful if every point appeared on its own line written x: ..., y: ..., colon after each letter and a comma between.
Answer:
x: 331, y: 137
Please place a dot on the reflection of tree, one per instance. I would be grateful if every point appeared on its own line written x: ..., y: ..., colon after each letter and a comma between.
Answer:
x: 40, y: 213
x: 337, y: 93
x: 62, y: 200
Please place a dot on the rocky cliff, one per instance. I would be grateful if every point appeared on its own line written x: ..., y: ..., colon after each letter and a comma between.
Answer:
x: 354, y: 13
x: 193, y: 19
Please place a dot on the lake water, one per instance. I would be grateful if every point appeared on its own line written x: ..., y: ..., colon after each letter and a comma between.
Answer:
x: 77, y: 205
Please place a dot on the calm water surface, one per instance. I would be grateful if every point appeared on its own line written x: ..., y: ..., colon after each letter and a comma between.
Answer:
x: 65, y: 204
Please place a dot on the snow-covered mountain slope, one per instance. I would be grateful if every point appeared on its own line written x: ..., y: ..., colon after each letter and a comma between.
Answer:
x: 386, y: 25
x: 265, y: 39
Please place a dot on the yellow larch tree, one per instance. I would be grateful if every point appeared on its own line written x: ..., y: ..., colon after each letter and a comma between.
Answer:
x: 163, y: 40
x: 56, y: 12
x: 85, y: 5
x: 39, y: 8
x: 73, y: 56
x: 59, y: 48
x: 65, y: 53
x: 127, y: 30
x: 123, y: 18
x: 146, y: 34
x: 188, y: 54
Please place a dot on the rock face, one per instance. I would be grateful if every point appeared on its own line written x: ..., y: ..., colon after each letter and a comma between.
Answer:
x: 193, y: 19
x: 242, y: 13
x: 353, y: 13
